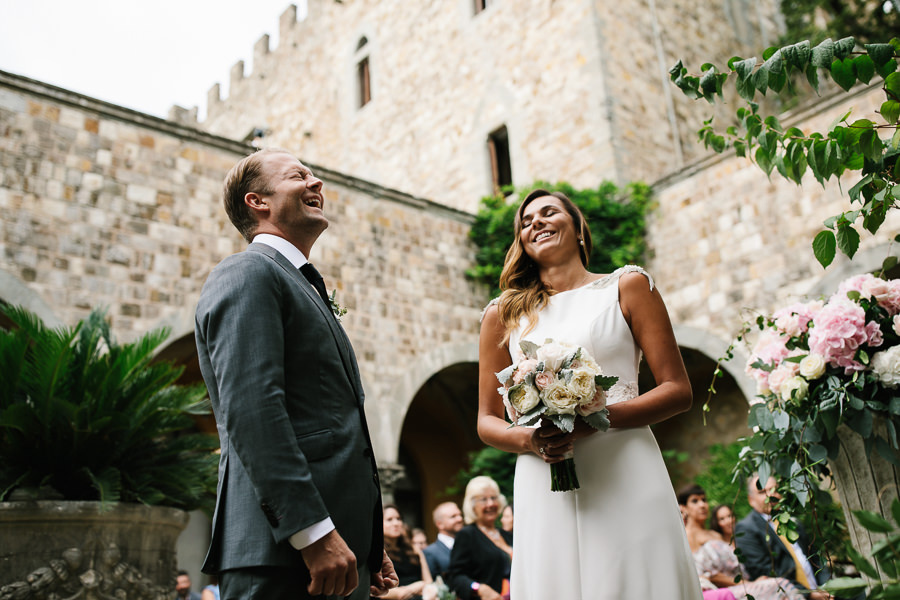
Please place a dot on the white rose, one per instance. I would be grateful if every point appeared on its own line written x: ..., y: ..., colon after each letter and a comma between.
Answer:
x: 886, y: 367
x: 524, y: 398
x: 779, y: 376
x: 560, y: 399
x: 812, y: 366
x: 553, y: 354
x: 794, y: 389
x: 897, y: 324
x: 582, y: 385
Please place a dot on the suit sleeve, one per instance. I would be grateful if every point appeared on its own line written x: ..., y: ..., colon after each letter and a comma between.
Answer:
x: 240, y: 318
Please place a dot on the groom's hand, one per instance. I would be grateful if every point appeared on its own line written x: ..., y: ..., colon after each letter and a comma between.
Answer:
x: 385, y: 579
x: 331, y: 565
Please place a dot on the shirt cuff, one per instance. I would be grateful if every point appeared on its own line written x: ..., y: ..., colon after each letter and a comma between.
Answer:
x: 311, y: 534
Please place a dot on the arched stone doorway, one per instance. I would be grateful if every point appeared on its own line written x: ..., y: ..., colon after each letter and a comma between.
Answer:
x: 725, y: 422
x: 437, y: 435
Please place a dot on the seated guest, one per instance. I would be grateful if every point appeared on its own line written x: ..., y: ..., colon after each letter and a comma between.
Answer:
x: 482, y: 553
x: 717, y: 565
x: 506, y: 518
x: 722, y: 521
x: 448, y: 520
x: 419, y: 540
x: 765, y: 552
x: 408, y: 562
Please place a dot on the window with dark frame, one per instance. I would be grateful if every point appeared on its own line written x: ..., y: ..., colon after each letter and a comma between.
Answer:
x: 365, y: 90
x: 480, y: 5
x: 501, y: 165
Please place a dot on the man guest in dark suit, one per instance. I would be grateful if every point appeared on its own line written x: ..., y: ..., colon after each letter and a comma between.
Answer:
x: 765, y: 553
x: 449, y: 520
x: 298, y: 512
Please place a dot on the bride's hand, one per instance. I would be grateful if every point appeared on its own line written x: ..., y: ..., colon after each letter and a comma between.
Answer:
x: 551, y: 444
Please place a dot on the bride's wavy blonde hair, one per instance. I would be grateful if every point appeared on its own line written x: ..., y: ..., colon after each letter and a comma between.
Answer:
x: 524, y: 294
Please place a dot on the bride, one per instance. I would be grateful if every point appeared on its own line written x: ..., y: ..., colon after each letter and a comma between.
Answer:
x: 620, y: 535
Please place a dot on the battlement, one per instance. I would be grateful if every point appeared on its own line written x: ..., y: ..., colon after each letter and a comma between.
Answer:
x: 262, y: 53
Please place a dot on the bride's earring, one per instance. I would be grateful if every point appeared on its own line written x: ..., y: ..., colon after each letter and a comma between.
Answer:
x: 580, y: 242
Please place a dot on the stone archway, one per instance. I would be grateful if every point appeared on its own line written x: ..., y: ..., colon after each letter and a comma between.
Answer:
x: 13, y: 291
x: 727, y: 419
x: 437, y: 435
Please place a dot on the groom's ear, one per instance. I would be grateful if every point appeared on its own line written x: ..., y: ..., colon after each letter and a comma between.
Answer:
x: 255, y: 201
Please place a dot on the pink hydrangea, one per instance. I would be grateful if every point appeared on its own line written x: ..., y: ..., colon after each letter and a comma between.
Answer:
x: 770, y: 349
x: 794, y: 319
x: 885, y: 293
x: 838, y: 331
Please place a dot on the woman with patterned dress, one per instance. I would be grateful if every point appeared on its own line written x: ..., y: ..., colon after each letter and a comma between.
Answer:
x: 620, y: 535
x: 717, y: 565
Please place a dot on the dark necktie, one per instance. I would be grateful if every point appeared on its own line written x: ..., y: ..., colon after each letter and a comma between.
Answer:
x: 315, y: 278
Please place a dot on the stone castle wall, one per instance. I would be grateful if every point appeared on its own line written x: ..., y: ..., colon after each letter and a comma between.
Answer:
x: 581, y: 86
x: 728, y: 243
x: 107, y: 207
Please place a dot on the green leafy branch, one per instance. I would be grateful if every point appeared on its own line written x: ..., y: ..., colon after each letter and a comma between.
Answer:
x: 886, y: 555
x: 846, y: 146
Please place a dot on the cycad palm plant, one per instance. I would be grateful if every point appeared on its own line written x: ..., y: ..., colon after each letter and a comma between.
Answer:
x: 85, y: 418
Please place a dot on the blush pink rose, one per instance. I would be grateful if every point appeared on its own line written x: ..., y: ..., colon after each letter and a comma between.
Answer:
x: 779, y: 376
x: 543, y: 380
x: 525, y: 367
x: 597, y: 403
x: 838, y: 331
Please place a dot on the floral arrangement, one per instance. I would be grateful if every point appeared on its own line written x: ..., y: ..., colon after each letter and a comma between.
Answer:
x: 557, y: 382
x: 822, y: 364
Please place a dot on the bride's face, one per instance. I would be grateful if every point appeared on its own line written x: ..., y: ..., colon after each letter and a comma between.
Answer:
x: 548, y: 232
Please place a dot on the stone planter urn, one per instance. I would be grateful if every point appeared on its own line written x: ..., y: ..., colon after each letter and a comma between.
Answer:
x: 863, y: 483
x: 60, y: 549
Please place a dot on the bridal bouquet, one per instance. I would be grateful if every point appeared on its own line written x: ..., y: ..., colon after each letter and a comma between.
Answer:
x: 557, y: 382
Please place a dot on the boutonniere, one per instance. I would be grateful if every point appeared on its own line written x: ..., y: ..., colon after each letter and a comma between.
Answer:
x: 338, y: 310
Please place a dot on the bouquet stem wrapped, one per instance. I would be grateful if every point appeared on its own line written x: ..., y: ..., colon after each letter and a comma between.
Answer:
x: 555, y: 383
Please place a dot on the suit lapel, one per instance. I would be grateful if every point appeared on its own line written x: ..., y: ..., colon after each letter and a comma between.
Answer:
x: 340, y: 336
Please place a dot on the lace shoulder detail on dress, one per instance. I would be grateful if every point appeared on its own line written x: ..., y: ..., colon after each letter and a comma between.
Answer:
x: 620, y: 392
x: 615, y: 275
x: 490, y: 304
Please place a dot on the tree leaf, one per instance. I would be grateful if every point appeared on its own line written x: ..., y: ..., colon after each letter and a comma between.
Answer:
x: 880, y: 53
x: 812, y: 76
x: 823, y: 54
x: 824, y: 246
x: 895, y: 510
x: 887, y: 68
x: 892, y: 85
x: 817, y: 453
x: 845, y: 586
x: 843, y: 47
x: 864, y: 68
x: 871, y: 145
x: 764, y: 160
x: 890, y: 111
x: 842, y: 73
x: 873, y: 521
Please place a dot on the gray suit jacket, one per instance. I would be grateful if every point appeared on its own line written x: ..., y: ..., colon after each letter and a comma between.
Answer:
x: 437, y: 555
x: 288, y: 402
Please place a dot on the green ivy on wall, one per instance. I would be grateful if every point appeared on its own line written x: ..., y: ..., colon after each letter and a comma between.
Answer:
x: 616, y: 217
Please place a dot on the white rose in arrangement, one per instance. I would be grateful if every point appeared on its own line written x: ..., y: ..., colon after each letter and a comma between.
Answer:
x: 524, y: 398
x: 782, y: 373
x: 897, y: 324
x: 582, y: 384
x: 554, y: 354
x: 560, y: 399
x: 812, y: 366
x: 886, y: 367
x: 794, y: 389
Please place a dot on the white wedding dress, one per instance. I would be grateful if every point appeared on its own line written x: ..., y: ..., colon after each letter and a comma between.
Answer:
x: 620, y: 536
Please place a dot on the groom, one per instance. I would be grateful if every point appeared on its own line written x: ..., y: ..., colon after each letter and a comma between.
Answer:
x: 298, y: 512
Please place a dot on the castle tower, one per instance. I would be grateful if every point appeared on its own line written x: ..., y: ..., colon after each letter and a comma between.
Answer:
x: 446, y: 99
